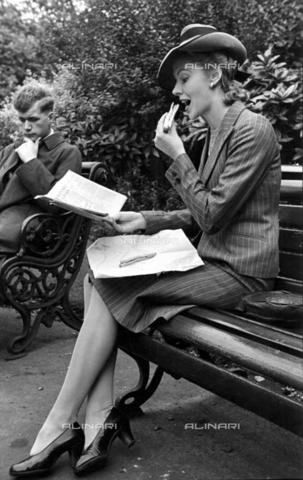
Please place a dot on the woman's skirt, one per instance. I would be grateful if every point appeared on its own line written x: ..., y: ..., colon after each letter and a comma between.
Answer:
x: 137, y: 302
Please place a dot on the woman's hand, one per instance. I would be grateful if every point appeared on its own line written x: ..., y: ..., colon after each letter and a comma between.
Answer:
x: 169, y: 143
x: 128, y: 222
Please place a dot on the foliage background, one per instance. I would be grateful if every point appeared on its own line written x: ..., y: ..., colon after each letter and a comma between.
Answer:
x: 101, y: 57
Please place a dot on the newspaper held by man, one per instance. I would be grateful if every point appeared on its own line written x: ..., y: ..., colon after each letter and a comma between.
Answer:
x: 85, y: 197
x: 166, y: 251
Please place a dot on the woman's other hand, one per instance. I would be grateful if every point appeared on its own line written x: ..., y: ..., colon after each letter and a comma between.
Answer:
x: 169, y: 143
x: 128, y: 222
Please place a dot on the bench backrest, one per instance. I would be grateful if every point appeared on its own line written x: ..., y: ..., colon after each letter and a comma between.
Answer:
x: 291, y: 229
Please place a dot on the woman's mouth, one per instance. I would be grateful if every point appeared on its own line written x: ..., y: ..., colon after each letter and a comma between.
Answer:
x: 185, y: 104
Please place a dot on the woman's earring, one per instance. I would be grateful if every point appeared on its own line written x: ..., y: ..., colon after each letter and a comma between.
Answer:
x: 211, y: 85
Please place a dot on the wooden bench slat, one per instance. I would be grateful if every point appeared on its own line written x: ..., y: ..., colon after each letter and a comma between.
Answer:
x: 291, y: 191
x: 291, y: 216
x: 292, y: 183
x: 273, y: 363
x: 247, y: 394
x: 292, y: 175
x: 291, y: 240
x: 270, y: 335
x: 288, y: 284
x: 291, y: 265
x: 293, y: 172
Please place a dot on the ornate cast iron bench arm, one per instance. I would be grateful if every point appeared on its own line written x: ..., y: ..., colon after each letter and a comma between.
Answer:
x: 37, y: 280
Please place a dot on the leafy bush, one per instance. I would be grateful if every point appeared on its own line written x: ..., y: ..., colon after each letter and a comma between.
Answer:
x: 102, y: 63
x: 19, y: 43
x: 275, y: 92
x: 125, y: 101
x: 257, y: 24
x: 8, y: 124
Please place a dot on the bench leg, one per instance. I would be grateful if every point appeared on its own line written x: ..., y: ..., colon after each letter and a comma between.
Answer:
x: 130, y: 402
x: 31, y: 323
x: 32, y: 318
x: 72, y: 317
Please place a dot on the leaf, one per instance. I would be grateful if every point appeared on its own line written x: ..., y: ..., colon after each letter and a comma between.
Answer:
x: 289, y: 100
x: 261, y: 58
x: 297, y: 157
x: 286, y: 139
x: 273, y: 59
x: 291, y: 90
x: 268, y: 53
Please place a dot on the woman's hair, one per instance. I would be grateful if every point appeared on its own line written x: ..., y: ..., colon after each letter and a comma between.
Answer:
x: 232, y: 89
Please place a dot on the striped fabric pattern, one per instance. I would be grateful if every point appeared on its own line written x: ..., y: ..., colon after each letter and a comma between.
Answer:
x: 136, y: 302
x: 234, y: 197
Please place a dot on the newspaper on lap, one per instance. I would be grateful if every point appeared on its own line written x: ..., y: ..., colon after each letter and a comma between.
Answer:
x: 132, y: 255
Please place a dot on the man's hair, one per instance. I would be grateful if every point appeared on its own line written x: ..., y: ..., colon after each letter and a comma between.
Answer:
x: 32, y: 93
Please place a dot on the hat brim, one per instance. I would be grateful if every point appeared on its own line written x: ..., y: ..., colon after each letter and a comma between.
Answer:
x: 212, y: 42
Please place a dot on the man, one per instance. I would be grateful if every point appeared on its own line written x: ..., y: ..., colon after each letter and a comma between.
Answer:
x: 31, y: 169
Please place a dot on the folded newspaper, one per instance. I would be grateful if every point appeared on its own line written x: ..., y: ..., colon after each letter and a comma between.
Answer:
x: 85, y: 197
x: 132, y: 255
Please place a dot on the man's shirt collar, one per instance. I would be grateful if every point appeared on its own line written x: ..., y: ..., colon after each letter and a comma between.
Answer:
x: 52, y: 140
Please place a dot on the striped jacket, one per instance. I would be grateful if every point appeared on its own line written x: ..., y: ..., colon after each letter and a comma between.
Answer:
x: 233, y: 197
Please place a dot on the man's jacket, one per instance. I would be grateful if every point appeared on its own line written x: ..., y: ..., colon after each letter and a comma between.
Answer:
x: 20, y: 182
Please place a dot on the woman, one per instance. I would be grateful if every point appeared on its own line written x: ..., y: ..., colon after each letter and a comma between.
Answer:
x: 233, y: 200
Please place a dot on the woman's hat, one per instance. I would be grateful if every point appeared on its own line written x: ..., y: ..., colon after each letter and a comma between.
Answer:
x: 197, y: 38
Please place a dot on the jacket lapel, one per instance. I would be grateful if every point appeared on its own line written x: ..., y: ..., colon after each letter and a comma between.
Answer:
x: 225, y: 130
x: 204, y: 153
x: 8, y: 166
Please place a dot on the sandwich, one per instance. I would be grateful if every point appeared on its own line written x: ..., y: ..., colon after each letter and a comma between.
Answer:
x: 170, y: 116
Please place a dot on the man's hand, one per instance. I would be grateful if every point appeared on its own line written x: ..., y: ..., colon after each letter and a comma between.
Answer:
x: 169, y: 143
x: 128, y: 222
x: 28, y: 150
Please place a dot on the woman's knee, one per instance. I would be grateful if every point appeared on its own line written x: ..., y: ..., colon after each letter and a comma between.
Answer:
x: 97, y: 310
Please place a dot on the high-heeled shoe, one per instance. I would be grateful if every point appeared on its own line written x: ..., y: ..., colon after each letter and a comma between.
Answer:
x: 96, y: 454
x: 71, y: 440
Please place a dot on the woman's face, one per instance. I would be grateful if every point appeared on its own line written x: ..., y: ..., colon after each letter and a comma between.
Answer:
x: 193, y: 85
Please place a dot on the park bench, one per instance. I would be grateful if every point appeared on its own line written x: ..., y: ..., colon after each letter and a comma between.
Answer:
x: 256, y: 365
x: 37, y: 280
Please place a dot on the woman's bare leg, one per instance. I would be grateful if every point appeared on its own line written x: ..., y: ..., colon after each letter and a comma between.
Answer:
x: 94, y: 345
x: 100, y: 400
x: 87, y: 292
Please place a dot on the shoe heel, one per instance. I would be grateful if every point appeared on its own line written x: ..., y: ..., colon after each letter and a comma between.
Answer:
x: 75, y: 453
x: 125, y: 434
